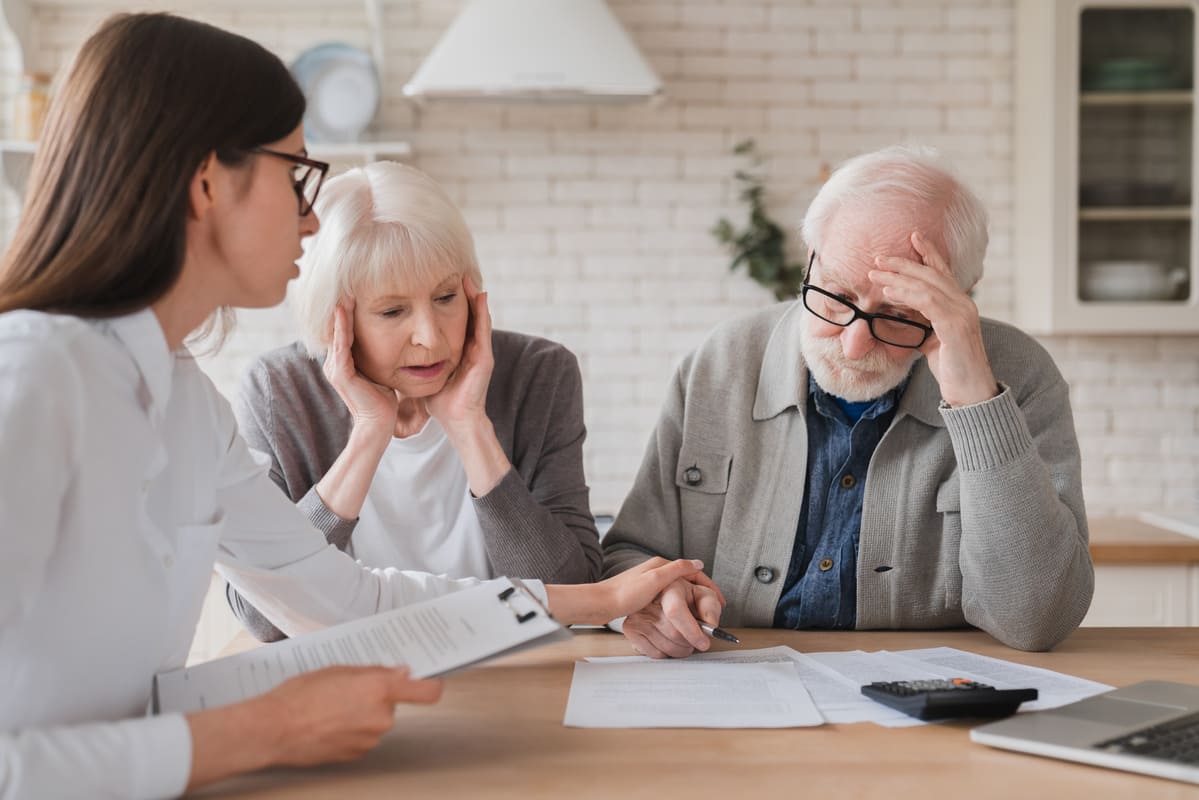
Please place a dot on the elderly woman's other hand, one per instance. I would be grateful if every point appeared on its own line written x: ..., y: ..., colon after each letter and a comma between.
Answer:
x: 461, y: 405
x: 462, y: 402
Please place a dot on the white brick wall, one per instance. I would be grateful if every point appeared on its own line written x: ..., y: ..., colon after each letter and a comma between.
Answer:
x: 592, y: 222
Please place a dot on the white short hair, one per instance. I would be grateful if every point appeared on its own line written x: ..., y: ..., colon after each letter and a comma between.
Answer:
x: 916, y: 180
x: 379, y: 223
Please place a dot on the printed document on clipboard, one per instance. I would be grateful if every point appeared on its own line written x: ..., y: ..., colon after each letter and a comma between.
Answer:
x: 433, y: 638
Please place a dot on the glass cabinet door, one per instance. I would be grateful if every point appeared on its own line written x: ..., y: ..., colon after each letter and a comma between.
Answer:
x: 1135, y: 150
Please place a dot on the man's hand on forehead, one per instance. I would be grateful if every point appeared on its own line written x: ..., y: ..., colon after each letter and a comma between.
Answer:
x: 955, y: 354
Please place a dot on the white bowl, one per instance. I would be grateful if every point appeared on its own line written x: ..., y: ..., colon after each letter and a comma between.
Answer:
x: 1130, y: 281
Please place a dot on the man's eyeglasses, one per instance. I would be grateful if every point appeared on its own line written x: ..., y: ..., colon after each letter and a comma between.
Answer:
x: 307, y: 176
x: 839, y: 311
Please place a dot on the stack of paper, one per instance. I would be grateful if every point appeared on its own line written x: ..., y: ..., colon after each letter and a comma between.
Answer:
x: 767, y: 688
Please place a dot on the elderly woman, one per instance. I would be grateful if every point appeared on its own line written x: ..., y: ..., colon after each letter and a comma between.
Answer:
x: 425, y: 440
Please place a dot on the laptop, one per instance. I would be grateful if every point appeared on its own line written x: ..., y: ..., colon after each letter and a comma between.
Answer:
x: 1150, y: 727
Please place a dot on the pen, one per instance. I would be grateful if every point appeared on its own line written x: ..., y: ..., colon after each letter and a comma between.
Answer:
x: 717, y: 633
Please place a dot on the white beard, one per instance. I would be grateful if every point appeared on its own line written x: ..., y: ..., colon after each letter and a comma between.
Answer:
x: 867, y: 378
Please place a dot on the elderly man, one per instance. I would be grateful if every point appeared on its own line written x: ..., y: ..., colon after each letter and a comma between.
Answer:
x: 874, y: 455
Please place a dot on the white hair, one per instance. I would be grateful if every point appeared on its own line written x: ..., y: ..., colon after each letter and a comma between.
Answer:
x: 911, y: 179
x: 379, y: 223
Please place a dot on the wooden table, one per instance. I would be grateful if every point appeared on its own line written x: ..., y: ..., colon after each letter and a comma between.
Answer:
x: 498, y: 733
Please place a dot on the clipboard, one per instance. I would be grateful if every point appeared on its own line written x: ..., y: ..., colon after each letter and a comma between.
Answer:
x: 433, y: 638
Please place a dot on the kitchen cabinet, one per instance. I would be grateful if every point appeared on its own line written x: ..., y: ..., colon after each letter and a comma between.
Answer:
x: 1105, y: 169
x: 1144, y: 575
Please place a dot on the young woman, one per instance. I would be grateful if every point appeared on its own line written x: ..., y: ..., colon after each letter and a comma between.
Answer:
x: 171, y: 181
x: 426, y: 440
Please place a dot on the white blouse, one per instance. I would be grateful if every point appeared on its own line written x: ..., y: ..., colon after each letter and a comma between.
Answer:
x: 122, y: 481
x: 419, y: 512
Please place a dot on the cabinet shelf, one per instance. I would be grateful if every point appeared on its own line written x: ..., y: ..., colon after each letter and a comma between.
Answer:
x: 13, y: 146
x: 1172, y: 97
x: 366, y: 151
x: 17, y: 156
x: 1133, y: 213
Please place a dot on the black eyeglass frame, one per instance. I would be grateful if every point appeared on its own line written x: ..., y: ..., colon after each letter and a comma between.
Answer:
x: 298, y: 186
x: 858, y: 313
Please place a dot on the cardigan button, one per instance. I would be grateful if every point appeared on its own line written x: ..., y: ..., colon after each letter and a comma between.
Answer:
x: 693, y: 476
x: 764, y: 574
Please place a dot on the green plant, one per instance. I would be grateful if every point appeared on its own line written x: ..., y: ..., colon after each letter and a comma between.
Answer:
x: 762, y: 245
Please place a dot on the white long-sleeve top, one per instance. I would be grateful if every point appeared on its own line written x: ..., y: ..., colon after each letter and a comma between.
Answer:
x: 122, y: 481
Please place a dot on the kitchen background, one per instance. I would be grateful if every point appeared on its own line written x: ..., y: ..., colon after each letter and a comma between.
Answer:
x: 592, y: 222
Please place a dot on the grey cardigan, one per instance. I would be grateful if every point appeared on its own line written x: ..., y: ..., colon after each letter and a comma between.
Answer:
x: 971, y: 515
x: 536, y: 522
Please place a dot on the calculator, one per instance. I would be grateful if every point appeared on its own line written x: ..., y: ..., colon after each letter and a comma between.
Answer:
x: 948, y: 698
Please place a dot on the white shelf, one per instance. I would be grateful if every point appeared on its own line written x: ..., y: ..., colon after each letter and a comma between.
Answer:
x: 13, y: 146
x: 365, y: 151
x: 1133, y: 213
x: 1173, y: 97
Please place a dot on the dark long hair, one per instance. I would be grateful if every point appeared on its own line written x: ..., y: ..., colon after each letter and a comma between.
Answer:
x: 149, y: 97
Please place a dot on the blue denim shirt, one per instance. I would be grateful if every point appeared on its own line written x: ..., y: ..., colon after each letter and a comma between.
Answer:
x: 821, y: 587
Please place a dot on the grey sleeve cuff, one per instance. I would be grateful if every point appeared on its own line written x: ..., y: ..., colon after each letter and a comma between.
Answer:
x: 337, y: 530
x: 989, y: 434
x: 524, y: 536
x: 509, y: 501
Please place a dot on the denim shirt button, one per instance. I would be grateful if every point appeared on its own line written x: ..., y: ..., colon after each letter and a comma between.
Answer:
x: 826, y: 564
x: 764, y: 574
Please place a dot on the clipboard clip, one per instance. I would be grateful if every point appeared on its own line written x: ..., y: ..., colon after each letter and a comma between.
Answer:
x: 506, y: 597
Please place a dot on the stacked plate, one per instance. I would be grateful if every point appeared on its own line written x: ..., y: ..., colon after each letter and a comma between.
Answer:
x: 341, y: 86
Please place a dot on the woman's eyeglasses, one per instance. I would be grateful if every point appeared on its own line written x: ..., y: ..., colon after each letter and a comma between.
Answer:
x: 307, y: 175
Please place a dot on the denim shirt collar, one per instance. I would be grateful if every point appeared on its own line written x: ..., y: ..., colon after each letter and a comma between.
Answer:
x: 827, y: 407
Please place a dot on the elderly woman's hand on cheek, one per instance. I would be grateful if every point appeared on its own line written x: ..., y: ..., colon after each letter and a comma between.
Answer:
x: 462, y: 402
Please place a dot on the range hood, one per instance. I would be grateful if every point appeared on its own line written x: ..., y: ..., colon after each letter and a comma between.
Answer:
x: 572, y: 51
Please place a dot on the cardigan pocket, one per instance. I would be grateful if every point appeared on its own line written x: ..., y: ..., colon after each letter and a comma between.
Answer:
x: 949, y: 506
x: 702, y: 471
x: 702, y: 479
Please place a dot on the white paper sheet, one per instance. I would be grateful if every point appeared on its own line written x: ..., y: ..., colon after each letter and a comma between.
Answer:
x: 624, y: 693
x: 838, y: 700
x: 834, y: 679
x: 433, y: 638
x: 1055, y: 688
